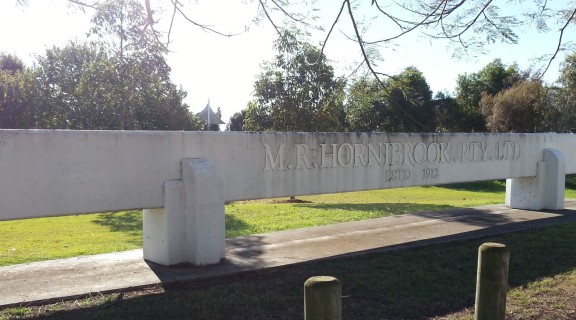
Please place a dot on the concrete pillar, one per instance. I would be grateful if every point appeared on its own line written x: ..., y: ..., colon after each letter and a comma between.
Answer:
x: 545, y: 190
x: 164, y: 229
x: 190, y: 228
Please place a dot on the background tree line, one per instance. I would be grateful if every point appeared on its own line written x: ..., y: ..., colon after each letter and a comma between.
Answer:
x: 118, y: 80
x: 298, y: 91
x: 468, y: 26
x: 121, y: 80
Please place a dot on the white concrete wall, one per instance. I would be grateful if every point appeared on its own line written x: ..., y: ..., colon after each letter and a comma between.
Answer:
x: 60, y: 172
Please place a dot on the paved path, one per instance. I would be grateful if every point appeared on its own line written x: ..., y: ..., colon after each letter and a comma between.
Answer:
x: 66, y: 278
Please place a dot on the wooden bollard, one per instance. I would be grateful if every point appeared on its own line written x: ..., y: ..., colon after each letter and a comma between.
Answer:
x: 322, y: 298
x: 492, y: 281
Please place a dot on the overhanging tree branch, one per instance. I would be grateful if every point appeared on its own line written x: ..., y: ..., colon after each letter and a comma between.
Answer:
x: 204, y: 27
x: 559, y: 46
x: 93, y: 5
x: 174, y: 11
x: 427, y: 16
x: 330, y: 31
x: 261, y: 4
x: 288, y: 14
x: 404, y: 29
x: 370, y: 67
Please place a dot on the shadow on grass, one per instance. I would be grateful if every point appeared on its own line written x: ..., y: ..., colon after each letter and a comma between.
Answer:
x: 385, y: 208
x: 235, y: 225
x: 131, y: 222
x: 468, y: 216
x: 498, y: 186
x: 495, y: 186
x: 413, y: 283
x: 122, y: 221
x: 571, y: 182
x: 354, y: 211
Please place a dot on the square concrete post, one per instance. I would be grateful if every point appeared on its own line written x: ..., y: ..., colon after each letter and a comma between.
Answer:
x: 190, y: 228
x: 545, y: 190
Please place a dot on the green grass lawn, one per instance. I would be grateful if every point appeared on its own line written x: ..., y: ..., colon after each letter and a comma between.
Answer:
x: 250, y: 217
x: 39, y: 239
x: 59, y: 237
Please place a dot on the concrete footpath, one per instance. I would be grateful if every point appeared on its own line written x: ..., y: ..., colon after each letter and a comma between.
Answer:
x: 54, y: 280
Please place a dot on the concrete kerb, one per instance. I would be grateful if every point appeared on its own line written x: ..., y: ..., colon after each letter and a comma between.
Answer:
x: 51, y: 281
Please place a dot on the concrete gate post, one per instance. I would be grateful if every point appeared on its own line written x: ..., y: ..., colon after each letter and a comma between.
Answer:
x: 190, y: 227
x: 545, y: 190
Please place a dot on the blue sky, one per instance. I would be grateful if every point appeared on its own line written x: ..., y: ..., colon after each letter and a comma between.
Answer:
x: 223, y: 69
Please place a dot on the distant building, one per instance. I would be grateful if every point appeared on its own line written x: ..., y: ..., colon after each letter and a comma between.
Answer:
x: 210, y: 119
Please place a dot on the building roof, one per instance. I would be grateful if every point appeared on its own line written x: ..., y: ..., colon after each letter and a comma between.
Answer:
x: 207, y: 115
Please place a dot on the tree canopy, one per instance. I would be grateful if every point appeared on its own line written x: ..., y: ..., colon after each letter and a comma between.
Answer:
x: 121, y: 81
x: 297, y: 91
x: 492, y: 79
x: 134, y: 87
x: 520, y: 108
x: 563, y: 97
x: 501, y: 98
x: 17, y: 93
x: 372, y: 107
x: 468, y: 26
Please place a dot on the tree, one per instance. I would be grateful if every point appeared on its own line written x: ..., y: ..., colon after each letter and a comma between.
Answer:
x: 409, y: 93
x: 256, y: 117
x: 563, y: 97
x: 120, y: 82
x: 297, y: 91
x: 361, y: 112
x: 59, y: 73
x: 492, y: 79
x: 16, y: 94
x: 79, y: 89
x: 118, y: 26
x: 11, y: 63
x: 371, y: 107
x: 236, y: 121
x: 520, y: 108
x: 447, y: 113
